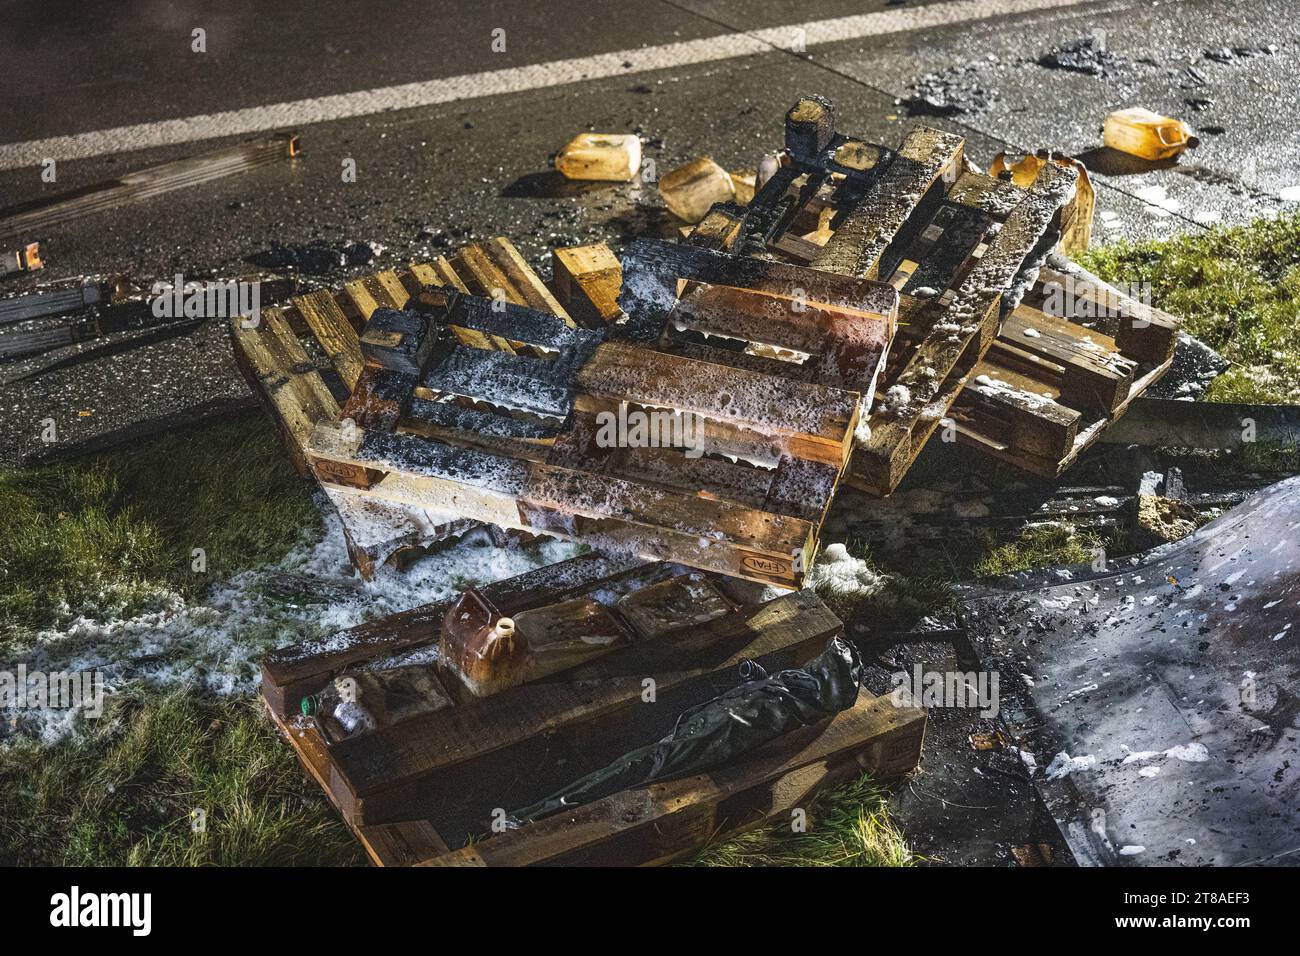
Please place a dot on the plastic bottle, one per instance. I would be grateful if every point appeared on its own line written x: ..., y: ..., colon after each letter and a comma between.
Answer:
x: 1140, y: 132
x: 614, y: 157
x: 481, y: 646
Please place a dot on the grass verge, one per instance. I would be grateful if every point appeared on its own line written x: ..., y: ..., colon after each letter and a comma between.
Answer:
x: 108, y: 535
x: 1237, y: 289
x: 1039, y: 546
x: 847, y: 826
x: 123, y: 794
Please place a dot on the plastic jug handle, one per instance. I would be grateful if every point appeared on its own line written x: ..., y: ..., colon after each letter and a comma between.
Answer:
x: 1160, y: 132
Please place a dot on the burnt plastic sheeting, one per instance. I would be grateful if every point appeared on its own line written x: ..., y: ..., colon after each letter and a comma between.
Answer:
x: 1157, y: 707
x: 759, y: 709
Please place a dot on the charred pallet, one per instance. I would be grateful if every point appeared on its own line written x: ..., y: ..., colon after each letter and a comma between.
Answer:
x: 962, y: 249
x: 305, y: 361
x: 1067, y: 363
x: 455, y: 402
x: 416, y: 789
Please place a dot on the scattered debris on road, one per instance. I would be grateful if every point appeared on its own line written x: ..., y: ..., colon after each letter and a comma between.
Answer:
x: 34, y: 217
x: 27, y: 259
x: 690, y: 191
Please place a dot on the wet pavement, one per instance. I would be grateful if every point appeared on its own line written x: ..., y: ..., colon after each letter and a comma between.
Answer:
x: 436, y: 177
x: 432, y: 178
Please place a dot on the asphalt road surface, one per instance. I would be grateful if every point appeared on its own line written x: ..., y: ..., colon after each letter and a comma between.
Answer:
x: 452, y: 136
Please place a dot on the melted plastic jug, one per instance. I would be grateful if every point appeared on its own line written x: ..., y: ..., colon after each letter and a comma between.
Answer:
x: 1140, y: 132
x: 481, y: 646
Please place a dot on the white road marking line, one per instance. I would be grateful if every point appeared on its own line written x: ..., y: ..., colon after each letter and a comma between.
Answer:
x: 297, y: 113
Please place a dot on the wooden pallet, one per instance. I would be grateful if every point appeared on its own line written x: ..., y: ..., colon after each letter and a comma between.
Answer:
x: 779, y: 319
x: 414, y: 792
x: 506, y: 424
x: 1056, y: 377
x: 953, y: 241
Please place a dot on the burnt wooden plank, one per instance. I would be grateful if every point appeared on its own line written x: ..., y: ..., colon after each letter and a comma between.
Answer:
x: 802, y: 419
x: 290, y: 673
x: 496, y: 270
x: 653, y: 269
x: 397, y: 340
x: 514, y: 383
x: 1095, y: 374
x: 512, y: 493
x: 334, y: 332
x: 861, y: 240
x: 515, y: 323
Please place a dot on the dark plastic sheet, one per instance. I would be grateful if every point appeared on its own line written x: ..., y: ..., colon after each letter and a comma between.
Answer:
x: 759, y: 709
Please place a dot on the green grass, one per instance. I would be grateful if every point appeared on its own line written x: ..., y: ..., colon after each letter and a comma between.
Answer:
x: 846, y: 826
x: 1238, y: 290
x: 1039, y: 546
x: 123, y: 793
x: 111, y: 534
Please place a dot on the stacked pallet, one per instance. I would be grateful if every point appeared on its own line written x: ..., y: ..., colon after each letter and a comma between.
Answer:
x: 978, y: 347
x: 463, y: 391
x: 416, y: 791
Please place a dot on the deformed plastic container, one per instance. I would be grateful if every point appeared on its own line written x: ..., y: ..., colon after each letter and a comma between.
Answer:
x: 611, y: 157
x: 1140, y: 132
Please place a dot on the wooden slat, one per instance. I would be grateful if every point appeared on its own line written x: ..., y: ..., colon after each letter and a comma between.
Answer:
x: 406, y: 843
x: 845, y: 348
x: 801, y: 419
x: 440, y: 273
x: 495, y: 269
x: 1096, y: 375
x: 291, y: 673
x: 513, y: 383
x: 1142, y: 332
x: 334, y: 332
x: 861, y: 240
x: 1036, y: 423
x: 367, y: 296
x: 655, y: 523
x: 277, y: 367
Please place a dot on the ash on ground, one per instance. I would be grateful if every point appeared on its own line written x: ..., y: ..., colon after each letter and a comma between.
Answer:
x: 958, y: 90
x: 1084, y: 55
